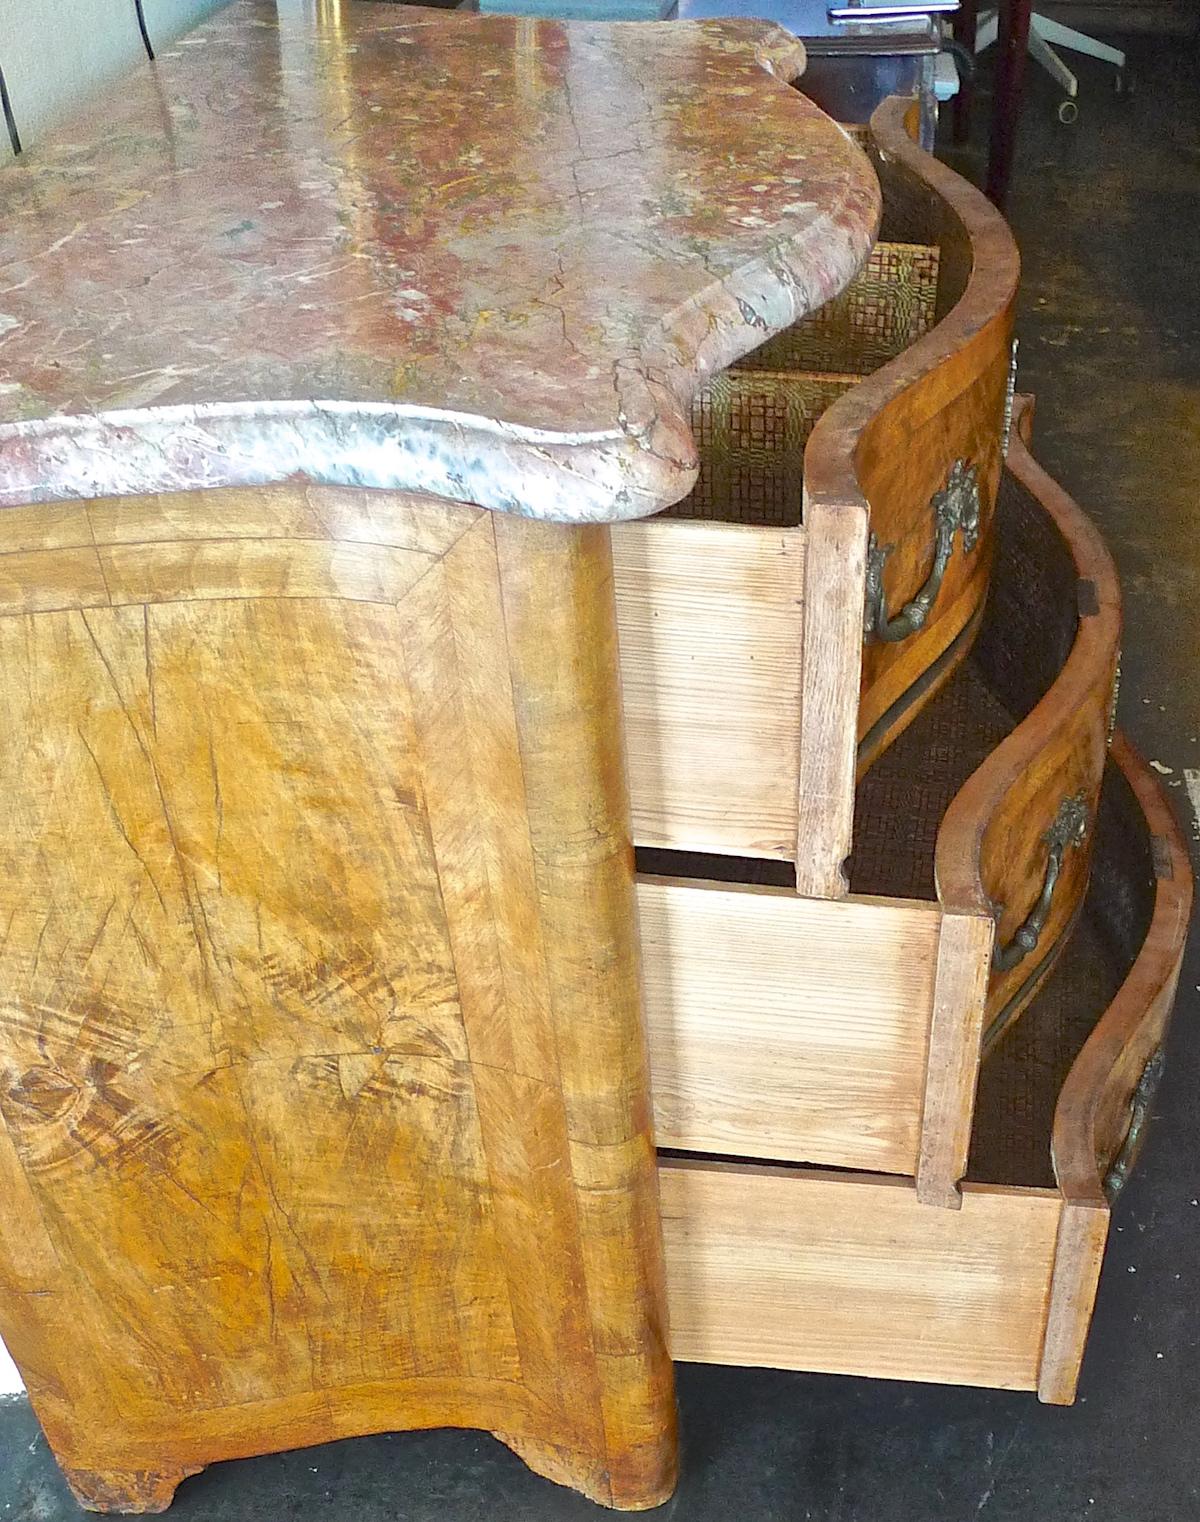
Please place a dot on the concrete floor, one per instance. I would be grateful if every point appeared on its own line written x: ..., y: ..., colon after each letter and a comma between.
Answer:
x: 1108, y: 215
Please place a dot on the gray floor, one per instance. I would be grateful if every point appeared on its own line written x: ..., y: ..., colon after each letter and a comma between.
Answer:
x: 1108, y: 216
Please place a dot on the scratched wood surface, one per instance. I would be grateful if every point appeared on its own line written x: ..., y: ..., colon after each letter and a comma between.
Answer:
x: 322, y: 1076
x: 788, y: 1028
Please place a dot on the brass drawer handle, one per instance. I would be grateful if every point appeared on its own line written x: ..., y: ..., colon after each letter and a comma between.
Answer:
x: 1139, y: 1112
x: 955, y: 507
x: 1068, y: 829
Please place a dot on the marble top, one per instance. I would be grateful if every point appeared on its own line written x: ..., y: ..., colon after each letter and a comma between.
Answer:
x: 486, y: 257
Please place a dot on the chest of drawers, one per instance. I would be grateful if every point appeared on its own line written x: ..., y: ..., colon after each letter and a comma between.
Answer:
x: 551, y: 731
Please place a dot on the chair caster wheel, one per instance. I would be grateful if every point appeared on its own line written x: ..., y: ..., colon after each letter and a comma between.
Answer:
x: 1068, y: 111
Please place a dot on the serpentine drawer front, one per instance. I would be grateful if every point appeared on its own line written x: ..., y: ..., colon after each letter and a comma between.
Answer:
x: 841, y: 1273
x: 1012, y: 799
x: 848, y: 1032
x: 324, y: 1103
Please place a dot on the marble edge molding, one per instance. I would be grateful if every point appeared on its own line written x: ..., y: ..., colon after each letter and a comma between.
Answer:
x: 635, y: 469
x: 632, y: 470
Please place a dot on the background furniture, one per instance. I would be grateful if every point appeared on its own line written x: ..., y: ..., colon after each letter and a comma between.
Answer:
x: 578, y: 10
x: 852, y: 65
x: 1019, y: 32
x: 1172, y: 18
x: 1012, y: 40
x: 1045, y: 34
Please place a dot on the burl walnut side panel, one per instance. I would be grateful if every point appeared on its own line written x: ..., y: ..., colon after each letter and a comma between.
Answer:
x: 322, y: 1073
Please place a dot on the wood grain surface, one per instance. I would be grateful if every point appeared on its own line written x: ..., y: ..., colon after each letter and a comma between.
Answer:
x: 710, y: 623
x: 322, y: 1069
x: 747, y: 685
x: 944, y: 397
x: 849, y: 1274
x: 806, y: 1268
x: 786, y: 1027
x: 1093, y: 1113
x: 952, y: 1069
x: 835, y: 567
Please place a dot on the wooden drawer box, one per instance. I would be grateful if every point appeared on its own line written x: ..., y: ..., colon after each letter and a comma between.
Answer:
x: 849, y: 1031
x: 736, y: 743
x: 837, y: 1272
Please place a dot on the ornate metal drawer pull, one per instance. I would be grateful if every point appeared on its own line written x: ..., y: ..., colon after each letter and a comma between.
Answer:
x: 1139, y: 1112
x: 1069, y: 829
x: 955, y: 507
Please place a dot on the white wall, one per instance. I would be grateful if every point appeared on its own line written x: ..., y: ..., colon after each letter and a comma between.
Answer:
x: 55, y: 54
x: 168, y: 19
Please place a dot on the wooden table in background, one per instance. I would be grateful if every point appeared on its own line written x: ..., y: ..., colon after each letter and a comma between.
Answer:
x: 1007, y: 93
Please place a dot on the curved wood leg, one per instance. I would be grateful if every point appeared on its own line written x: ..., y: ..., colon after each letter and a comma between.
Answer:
x: 577, y: 1471
x: 129, y: 1491
x: 560, y: 624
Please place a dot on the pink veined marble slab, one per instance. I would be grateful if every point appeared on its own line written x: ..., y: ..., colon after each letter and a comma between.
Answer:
x: 485, y: 257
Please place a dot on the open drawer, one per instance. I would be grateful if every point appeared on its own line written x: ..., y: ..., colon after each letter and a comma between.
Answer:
x: 988, y: 802
x: 800, y: 1268
x: 849, y: 1032
x: 884, y: 414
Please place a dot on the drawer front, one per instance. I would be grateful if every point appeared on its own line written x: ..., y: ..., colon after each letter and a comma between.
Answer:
x: 929, y: 466
x: 929, y: 453
x: 1017, y: 839
x: 1142, y: 882
x: 919, y: 443
x: 1036, y: 854
x: 904, y: 468
x: 1141, y: 867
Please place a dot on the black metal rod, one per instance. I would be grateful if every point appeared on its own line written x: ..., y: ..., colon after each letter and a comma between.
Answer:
x: 10, y: 120
x: 141, y: 18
